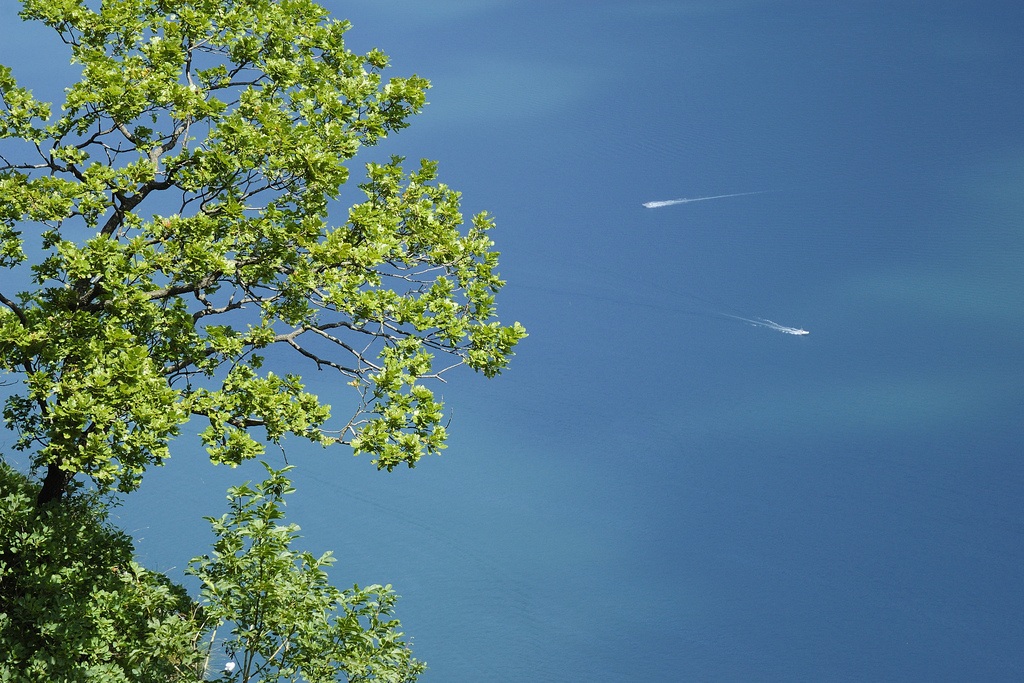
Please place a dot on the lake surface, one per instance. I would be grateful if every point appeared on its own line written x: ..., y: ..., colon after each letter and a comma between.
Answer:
x: 655, y: 491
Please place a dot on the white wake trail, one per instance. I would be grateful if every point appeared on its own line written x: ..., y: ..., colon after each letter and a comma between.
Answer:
x: 672, y: 202
x: 764, y: 322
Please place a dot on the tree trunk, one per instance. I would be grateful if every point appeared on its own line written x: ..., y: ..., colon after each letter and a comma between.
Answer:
x: 53, y: 486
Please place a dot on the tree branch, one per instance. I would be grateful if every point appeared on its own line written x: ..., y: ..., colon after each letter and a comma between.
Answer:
x: 15, y: 308
x: 190, y: 288
x: 128, y: 203
x: 320, y: 362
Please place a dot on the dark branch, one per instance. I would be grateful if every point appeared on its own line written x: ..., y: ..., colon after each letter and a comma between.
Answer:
x: 15, y: 308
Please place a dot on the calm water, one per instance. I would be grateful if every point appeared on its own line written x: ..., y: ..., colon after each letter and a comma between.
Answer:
x: 656, y: 492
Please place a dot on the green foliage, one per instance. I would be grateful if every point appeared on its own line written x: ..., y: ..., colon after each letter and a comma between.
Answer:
x: 173, y: 218
x: 286, y: 621
x: 74, y: 606
x: 183, y: 195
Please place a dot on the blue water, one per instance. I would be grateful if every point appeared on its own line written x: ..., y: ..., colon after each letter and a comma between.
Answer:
x: 656, y: 492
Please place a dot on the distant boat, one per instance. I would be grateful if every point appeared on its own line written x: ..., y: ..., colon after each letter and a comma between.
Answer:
x: 671, y: 202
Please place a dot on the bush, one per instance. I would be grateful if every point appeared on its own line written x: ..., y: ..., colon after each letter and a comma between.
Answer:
x: 75, y: 606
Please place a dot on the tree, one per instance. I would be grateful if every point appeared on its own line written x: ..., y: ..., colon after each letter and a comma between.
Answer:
x: 177, y: 224
x: 182, y: 198
x: 75, y: 606
x: 285, y: 617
